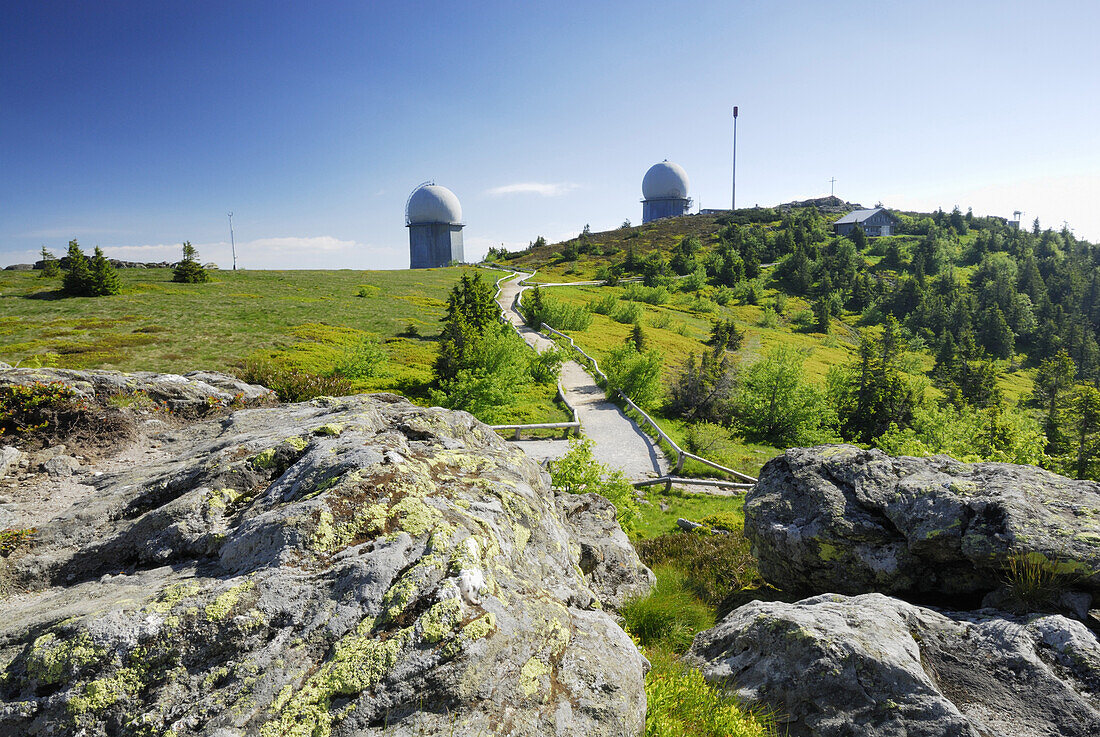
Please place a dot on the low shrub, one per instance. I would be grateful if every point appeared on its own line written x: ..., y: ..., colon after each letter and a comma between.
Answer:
x: 562, y: 316
x: 30, y: 408
x: 680, y: 703
x: 359, y: 360
x: 578, y: 472
x: 1035, y: 582
x: 712, y: 565
x: 649, y: 295
x: 293, y: 384
x: 627, y: 313
x: 14, y: 538
x: 636, y: 374
x: 605, y: 305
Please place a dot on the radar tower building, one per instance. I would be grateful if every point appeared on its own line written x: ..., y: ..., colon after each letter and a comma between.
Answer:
x: 433, y: 216
x: 665, y: 192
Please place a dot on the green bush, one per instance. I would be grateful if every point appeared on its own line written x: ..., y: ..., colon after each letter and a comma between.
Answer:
x: 189, y: 270
x: 605, y: 305
x: 546, y: 366
x: 680, y: 703
x: 712, y: 565
x: 627, y: 313
x: 359, y: 360
x: 562, y: 316
x: 1036, y: 583
x: 578, y: 472
x: 637, y: 375
x: 649, y: 295
x: 293, y: 384
x: 29, y: 408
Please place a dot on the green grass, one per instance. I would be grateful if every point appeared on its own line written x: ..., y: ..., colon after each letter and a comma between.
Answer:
x: 654, y: 521
x: 680, y: 703
x: 308, y: 320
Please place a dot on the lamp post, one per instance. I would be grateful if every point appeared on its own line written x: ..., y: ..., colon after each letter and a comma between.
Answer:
x: 733, y: 196
x: 232, y: 244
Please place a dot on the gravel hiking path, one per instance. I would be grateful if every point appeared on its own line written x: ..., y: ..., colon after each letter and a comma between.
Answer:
x: 617, y: 441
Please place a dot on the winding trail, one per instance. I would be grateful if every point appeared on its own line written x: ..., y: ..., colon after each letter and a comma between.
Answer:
x: 617, y: 441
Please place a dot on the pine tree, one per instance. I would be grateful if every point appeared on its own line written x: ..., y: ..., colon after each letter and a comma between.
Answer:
x: 50, y: 266
x: 78, y: 274
x: 105, y: 279
x: 189, y: 270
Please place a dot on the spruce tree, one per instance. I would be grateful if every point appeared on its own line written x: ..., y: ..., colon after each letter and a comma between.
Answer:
x: 105, y: 279
x: 78, y: 274
x: 189, y: 270
x: 50, y: 266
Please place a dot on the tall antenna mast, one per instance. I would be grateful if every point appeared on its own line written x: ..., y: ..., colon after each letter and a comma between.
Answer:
x: 832, y: 184
x: 733, y: 195
x: 232, y: 243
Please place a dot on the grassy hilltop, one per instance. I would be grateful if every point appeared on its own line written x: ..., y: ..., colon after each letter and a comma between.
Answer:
x: 311, y: 321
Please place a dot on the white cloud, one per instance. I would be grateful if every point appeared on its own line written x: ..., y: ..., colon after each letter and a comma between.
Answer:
x: 543, y: 189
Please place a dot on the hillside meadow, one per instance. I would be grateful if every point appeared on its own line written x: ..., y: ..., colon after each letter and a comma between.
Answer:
x: 307, y: 320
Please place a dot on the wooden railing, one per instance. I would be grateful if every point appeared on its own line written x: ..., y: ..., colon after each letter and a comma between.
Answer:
x: 681, y: 454
x: 745, y: 481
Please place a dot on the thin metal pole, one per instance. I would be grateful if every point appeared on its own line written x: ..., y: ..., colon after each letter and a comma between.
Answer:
x: 733, y: 196
x: 832, y: 183
x: 232, y: 243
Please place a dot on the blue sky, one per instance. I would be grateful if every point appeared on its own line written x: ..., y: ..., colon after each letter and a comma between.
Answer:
x: 137, y: 125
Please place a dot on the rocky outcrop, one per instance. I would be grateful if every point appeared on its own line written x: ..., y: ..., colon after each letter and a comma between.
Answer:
x: 609, y: 561
x: 192, y: 394
x: 845, y: 520
x: 353, y: 566
x: 876, y: 666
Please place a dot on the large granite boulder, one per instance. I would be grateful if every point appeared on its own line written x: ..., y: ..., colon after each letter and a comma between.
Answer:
x: 841, y: 519
x: 353, y: 566
x: 875, y: 666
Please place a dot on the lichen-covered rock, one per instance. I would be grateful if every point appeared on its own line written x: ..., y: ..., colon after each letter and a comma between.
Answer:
x: 353, y: 566
x: 875, y: 666
x: 845, y: 520
x: 193, y: 394
x: 609, y: 561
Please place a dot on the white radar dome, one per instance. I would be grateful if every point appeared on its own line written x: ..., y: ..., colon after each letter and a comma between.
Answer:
x: 665, y: 180
x: 433, y: 204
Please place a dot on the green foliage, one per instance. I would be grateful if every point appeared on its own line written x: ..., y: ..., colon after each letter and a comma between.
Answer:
x: 650, y: 295
x: 872, y: 393
x: 546, y: 366
x: 605, y: 305
x: 724, y: 335
x: 1005, y: 436
x: 775, y: 404
x: 637, y: 337
x: 189, y: 270
x: 360, y: 359
x: 13, y: 538
x: 50, y: 266
x: 28, y: 408
x: 712, y: 565
x: 671, y: 615
x: 636, y: 374
x: 105, y: 279
x: 627, y: 313
x: 538, y: 308
x: 293, y: 384
x: 680, y: 703
x: 768, y: 318
x: 497, y: 361
x: 1036, y: 583
x: 704, y: 389
x: 578, y: 472
x: 78, y: 273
